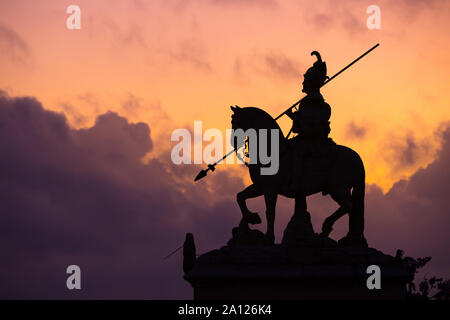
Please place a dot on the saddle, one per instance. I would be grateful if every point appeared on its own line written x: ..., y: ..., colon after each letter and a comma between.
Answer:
x: 317, y: 160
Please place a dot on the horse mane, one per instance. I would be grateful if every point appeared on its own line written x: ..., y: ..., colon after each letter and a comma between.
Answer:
x: 260, y: 119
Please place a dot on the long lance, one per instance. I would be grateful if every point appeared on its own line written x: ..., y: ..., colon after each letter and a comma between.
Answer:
x: 211, y: 167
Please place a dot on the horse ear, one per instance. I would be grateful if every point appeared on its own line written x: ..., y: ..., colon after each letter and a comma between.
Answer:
x: 233, y: 108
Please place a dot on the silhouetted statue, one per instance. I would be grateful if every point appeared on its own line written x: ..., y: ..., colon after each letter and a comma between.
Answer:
x: 309, y: 163
x: 336, y: 176
x: 305, y: 265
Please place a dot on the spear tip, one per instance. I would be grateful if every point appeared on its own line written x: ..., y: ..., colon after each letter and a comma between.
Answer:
x: 200, y: 175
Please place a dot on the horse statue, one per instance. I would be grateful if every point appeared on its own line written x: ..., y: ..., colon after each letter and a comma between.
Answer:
x: 341, y: 175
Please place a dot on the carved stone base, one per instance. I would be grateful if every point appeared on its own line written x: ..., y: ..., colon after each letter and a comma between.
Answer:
x: 299, y: 229
x: 325, y: 271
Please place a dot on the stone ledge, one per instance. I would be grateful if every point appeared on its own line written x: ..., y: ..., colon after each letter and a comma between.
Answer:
x: 327, y: 271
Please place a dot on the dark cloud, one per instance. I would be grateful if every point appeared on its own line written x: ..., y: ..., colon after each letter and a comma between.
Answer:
x: 85, y: 197
x: 355, y: 131
x: 78, y: 118
x: 418, y: 212
x: 413, y: 215
x: 13, y: 45
x: 406, y: 152
x: 274, y: 65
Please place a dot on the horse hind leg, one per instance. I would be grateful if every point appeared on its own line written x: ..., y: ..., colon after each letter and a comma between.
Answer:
x: 356, y: 220
x: 355, y: 236
x: 327, y: 225
x: 343, y: 198
x: 251, y: 191
x: 271, y: 202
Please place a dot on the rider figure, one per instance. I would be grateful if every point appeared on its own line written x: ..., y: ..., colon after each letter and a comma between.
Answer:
x: 311, y: 121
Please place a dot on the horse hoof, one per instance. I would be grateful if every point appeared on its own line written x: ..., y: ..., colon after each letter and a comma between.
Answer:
x: 269, y: 239
x: 244, y: 223
x: 327, y: 227
x: 254, y: 218
x: 353, y: 241
x: 326, y: 231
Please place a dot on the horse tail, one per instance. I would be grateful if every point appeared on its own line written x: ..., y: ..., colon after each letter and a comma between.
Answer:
x: 357, y: 212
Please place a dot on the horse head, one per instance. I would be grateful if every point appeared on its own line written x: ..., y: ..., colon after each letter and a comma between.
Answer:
x: 238, y: 121
x: 247, y: 124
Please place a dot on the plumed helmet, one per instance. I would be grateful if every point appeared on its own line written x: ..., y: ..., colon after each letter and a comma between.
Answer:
x: 317, y: 74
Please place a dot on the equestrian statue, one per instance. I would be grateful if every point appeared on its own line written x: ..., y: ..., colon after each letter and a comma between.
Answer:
x: 309, y: 163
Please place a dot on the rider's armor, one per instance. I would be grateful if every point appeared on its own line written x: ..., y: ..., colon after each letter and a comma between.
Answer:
x: 312, y: 125
x: 311, y: 121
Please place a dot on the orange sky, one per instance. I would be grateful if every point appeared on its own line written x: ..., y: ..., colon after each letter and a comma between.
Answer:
x: 169, y: 63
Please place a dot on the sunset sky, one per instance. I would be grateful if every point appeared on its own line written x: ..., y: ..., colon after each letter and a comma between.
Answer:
x: 170, y: 63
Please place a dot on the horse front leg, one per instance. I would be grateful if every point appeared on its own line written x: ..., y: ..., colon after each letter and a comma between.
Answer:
x: 251, y: 191
x: 271, y: 201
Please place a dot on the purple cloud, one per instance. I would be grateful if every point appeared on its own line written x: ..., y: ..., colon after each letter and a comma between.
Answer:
x: 407, y: 151
x: 355, y: 131
x: 84, y: 197
x: 413, y: 215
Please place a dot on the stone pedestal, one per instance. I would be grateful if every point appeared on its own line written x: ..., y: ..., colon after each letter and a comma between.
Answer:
x: 321, y: 270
